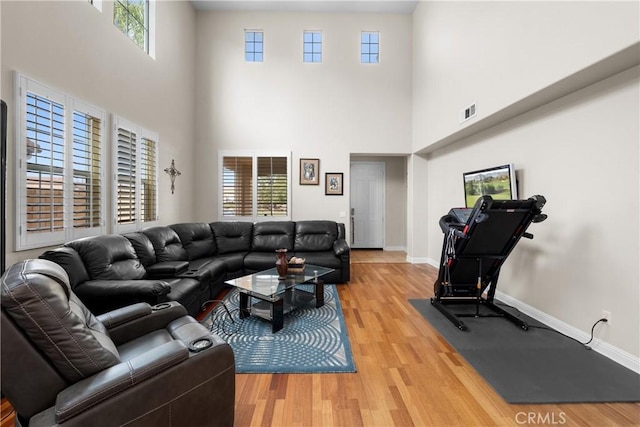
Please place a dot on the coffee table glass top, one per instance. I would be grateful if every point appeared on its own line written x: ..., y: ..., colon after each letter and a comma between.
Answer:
x: 267, y: 283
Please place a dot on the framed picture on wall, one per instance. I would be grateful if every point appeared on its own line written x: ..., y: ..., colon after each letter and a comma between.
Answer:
x: 309, y: 171
x: 333, y: 184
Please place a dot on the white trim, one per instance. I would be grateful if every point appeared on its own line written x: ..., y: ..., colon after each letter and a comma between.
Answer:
x: 614, y: 353
x: 395, y: 248
x: 96, y: 3
x: 24, y: 240
x: 420, y: 260
x: 151, y: 36
x: 433, y: 262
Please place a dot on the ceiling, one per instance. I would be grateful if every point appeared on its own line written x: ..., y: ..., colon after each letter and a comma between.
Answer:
x: 327, y: 6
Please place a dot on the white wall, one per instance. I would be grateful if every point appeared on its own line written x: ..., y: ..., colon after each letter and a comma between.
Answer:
x: 74, y: 48
x: 580, y: 150
x: 323, y: 111
x: 497, y: 53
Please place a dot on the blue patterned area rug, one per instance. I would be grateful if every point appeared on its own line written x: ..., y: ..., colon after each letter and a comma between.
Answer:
x: 313, y: 340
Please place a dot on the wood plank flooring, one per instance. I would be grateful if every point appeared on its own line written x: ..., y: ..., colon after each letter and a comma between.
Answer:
x: 407, y: 374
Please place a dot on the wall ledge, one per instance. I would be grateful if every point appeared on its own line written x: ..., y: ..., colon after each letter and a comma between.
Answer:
x: 618, y: 62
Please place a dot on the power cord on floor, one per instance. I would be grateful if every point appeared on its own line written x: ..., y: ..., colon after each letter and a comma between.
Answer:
x: 585, y: 344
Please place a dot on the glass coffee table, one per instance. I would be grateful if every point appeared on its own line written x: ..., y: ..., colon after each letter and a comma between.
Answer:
x: 277, y: 297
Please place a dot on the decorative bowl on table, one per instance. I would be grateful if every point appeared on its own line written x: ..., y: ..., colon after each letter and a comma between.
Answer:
x: 296, y: 265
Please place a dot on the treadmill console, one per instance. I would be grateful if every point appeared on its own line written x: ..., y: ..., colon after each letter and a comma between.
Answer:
x: 461, y: 215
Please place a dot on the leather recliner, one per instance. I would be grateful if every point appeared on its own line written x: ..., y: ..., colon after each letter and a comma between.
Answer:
x: 139, y: 365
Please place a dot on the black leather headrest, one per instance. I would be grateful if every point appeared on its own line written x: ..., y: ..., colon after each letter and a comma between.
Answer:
x: 37, y: 296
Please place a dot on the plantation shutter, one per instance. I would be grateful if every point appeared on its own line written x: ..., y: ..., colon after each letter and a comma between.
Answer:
x: 87, y: 171
x: 44, y: 130
x: 148, y: 177
x: 126, y: 176
x: 272, y: 186
x: 237, y: 186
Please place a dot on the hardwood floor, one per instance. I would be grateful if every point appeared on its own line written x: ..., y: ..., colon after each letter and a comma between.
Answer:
x: 407, y: 374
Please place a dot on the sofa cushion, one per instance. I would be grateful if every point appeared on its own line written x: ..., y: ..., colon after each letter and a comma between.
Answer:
x: 258, y: 261
x: 143, y: 247
x: 197, y: 239
x: 314, y: 236
x: 271, y: 235
x: 166, y: 244
x: 232, y: 236
x: 109, y: 257
x: 191, y: 293
x: 70, y: 260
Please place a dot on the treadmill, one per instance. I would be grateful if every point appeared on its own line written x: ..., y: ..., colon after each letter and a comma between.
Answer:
x: 476, y: 244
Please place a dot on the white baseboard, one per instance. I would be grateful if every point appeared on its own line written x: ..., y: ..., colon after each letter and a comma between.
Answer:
x: 614, y: 353
x: 395, y: 248
x: 433, y: 263
x: 418, y: 260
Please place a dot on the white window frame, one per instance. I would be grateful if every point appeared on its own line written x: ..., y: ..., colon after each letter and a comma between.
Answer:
x: 96, y: 3
x: 254, y: 155
x: 23, y: 239
x: 141, y: 133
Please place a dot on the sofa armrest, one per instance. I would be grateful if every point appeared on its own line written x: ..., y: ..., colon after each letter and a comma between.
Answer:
x: 156, y: 317
x: 87, y: 393
x: 166, y: 269
x: 101, y: 296
x: 340, y: 247
x: 113, y: 318
x: 142, y: 289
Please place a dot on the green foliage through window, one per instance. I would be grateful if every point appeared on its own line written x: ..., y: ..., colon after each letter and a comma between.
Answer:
x: 132, y: 17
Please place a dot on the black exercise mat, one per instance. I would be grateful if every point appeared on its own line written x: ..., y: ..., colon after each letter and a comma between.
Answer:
x: 534, y: 366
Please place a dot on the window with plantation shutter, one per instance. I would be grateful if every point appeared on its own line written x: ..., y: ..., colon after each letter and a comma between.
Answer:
x: 148, y: 178
x: 88, y: 172
x: 44, y: 164
x: 237, y: 186
x: 59, y: 176
x: 254, y: 186
x: 126, y: 167
x: 272, y: 183
x: 135, y: 178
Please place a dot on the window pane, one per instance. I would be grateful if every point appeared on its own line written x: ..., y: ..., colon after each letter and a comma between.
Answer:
x: 87, y: 173
x: 148, y: 181
x: 272, y: 186
x: 237, y: 186
x: 312, y: 46
x: 253, y: 46
x: 126, y: 177
x: 132, y: 17
x: 45, y: 165
x: 369, y: 47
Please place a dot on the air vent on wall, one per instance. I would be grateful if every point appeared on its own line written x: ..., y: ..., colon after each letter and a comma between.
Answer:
x: 468, y: 113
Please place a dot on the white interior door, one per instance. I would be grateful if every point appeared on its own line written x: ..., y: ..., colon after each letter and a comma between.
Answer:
x: 367, y: 204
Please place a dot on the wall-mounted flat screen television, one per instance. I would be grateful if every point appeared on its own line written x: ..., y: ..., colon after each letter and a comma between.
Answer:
x: 498, y: 182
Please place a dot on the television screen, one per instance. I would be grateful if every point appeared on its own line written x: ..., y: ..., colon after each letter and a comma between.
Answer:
x: 498, y: 182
